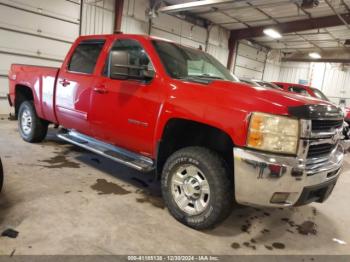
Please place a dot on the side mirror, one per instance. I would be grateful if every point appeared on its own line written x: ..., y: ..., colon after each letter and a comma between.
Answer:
x: 118, y: 64
x: 120, y: 67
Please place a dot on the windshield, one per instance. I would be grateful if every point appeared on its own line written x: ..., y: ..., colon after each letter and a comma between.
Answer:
x: 186, y: 63
x: 319, y: 94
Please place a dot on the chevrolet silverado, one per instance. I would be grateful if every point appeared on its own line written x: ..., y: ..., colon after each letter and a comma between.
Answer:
x: 155, y: 105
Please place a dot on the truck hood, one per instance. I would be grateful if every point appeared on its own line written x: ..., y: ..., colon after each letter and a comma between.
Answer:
x: 262, y: 99
x: 276, y: 97
x: 228, y: 105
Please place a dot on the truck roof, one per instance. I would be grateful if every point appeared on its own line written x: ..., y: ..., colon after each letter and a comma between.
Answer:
x: 136, y: 36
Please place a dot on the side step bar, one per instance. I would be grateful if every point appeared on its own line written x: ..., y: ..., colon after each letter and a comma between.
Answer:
x: 117, y: 154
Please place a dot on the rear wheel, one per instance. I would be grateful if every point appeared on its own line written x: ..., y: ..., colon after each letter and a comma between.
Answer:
x: 197, y: 187
x: 31, y: 127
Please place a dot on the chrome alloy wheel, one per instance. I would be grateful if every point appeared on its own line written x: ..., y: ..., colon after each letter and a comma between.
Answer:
x: 190, y: 189
x: 26, y: 122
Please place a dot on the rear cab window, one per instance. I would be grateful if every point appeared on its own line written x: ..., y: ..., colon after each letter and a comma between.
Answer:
x: 299, y: 90
x: 85, y: 55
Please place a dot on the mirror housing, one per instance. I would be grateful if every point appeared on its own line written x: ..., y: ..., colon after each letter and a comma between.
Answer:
x: 120, y: 68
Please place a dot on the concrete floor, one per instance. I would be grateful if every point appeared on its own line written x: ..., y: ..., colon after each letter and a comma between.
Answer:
x: 63, y: 200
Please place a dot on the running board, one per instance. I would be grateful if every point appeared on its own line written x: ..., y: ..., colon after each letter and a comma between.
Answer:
x: 130, y: 159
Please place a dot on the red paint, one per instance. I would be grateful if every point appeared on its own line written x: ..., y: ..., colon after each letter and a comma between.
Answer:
x: 132, y: 114
x: 286, y: 87
x: 347, y: 114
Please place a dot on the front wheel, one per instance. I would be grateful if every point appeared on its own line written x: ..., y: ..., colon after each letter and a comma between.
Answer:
x: 197, y: 187
x: 31, y: 127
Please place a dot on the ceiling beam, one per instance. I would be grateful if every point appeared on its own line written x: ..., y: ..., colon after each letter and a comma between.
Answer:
x: 328, y: 56
x: 118, y: 10
x: 193, y: 5
x: 290, y: 27
x: 335, y: 12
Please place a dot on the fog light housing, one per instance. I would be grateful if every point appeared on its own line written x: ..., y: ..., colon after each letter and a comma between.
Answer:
x: 279, y: 198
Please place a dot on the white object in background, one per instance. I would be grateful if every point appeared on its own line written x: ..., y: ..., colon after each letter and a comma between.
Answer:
x: 315, y: 55
x: 341, y: 242
x: 272, y: 33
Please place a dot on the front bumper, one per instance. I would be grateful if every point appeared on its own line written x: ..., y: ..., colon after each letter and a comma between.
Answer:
x: 260, y: 176
x: 345, y: 143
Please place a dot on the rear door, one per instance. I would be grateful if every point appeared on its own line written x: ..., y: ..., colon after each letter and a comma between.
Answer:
x: 74, y: 85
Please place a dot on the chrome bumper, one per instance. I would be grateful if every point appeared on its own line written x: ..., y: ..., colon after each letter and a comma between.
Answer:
x: 258, y: 176
x: 345, y: 143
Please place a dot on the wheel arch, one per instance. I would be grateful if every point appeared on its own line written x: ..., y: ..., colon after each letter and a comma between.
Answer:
x: 179, y: 133
x: 23, y: 93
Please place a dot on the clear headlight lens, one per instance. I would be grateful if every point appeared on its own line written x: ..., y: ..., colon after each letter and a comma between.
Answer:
x: 273, y: 133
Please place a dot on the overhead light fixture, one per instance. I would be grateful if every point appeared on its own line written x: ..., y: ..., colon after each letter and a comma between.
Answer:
x: 272, y: 33
x: 315, y: 55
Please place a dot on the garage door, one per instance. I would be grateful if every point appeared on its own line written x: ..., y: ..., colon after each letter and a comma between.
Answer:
x: 35, y: 32
x: 250, y: 61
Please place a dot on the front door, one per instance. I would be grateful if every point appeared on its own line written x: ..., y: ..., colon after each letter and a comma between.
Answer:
x: 124, y: 112
x: 74, y: 86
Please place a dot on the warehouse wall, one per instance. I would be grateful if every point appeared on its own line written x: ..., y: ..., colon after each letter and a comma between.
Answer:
x: 97, y: 17
x: 332, y: 79
x: 272, y: 66
x: 294, y: 72
x: 250, y: 61
x: 169, y: 27
x: 40, y: 32
x: 34, y: 32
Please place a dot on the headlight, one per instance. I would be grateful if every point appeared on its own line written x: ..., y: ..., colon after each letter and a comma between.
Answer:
x: 273, y: 133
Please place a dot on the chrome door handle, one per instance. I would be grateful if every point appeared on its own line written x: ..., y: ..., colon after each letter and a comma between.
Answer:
x: 100, y: 90
x: 64, y: 82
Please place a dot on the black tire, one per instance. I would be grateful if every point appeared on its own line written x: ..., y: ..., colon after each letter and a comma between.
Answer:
x: 1, y: 176
x: 220, y: 182
x: 39, y: 127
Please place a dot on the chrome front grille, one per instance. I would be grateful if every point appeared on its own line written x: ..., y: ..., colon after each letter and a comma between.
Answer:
x: 321, y: 144
x: 319, y: 147
x: 320, y: 150
x: 325, y: 125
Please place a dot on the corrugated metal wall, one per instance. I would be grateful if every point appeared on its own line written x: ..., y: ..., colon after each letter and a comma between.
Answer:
x: 336, y: 82
x: 332, y: 79
x: 292, y: 72
x: 250, y: 61
x: 97, y: 17
x: 172, y: 28
x: 272, y: 66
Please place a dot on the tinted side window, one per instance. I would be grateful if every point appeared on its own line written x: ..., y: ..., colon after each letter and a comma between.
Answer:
x: 137, y: 56
x: 85, y: 56
x: 319, y: 94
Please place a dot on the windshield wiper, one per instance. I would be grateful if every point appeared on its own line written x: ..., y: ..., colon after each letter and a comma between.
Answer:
x: 207, y: 76
x: 195, y: 79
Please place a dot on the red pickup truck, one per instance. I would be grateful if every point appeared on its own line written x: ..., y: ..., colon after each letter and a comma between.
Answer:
x: 302, y: 90
x: 152, y: 104
x: 310, y: 91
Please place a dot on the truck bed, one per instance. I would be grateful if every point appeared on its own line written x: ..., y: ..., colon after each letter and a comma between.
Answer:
x: 42, y: 80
